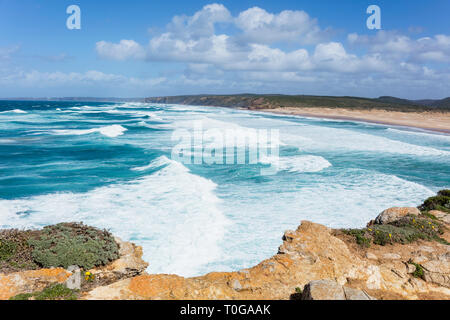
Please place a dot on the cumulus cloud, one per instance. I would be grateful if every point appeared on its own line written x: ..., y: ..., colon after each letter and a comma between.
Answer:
x: 201, y: 24
x: 260, y: 26
x: 396, y: 45
x: 125, y: 49
x: 259, y: 51
x: 36, y: 78
x: 193, y: 40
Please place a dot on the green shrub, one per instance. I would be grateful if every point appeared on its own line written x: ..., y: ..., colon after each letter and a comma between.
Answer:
x: 419, y: 272
x: 440, y: 202
x: 15, y: 253
x: 384, y: 234
x: 429, y: 215
x: 56, y: 292
x: 360, y: 235
x: 406, y: 230
x: 67, y: 244
x: 445, y: 193
x: 7, y: 249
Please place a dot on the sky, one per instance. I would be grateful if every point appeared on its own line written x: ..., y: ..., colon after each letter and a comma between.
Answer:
x: 154, y: 48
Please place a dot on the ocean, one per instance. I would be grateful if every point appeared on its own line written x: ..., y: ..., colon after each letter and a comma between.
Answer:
x: 110, y: 165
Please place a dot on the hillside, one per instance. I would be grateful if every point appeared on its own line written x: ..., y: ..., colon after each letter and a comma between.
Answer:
x: 254, y: 102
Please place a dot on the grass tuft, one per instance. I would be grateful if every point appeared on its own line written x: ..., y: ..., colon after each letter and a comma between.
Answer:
x: 406, y: 230
x: 52, y: 292
x: 419, y: 272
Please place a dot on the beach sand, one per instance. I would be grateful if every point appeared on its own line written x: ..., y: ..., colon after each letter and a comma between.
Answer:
x: 435, y: 121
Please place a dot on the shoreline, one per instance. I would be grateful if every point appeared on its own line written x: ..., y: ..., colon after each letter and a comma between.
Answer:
x: 430, y: 121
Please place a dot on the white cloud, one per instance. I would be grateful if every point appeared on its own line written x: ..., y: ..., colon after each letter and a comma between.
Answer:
x: 201, y: 24
x: 263, y: 58
x: 256, y: 50
x: 260, y: 26
x: 192, y: 39
x: 7, y: 53
x: 36, y: 78
x: 398, y: 46
x: 125, y: 49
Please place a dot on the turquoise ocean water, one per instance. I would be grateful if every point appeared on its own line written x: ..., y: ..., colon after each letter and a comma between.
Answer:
x: 109, y: 165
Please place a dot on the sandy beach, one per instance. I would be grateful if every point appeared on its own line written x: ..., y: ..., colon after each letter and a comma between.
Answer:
x: 435, y: 121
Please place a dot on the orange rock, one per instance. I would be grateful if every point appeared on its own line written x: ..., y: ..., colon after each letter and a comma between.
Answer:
x: 30, y: 281
x: 312, y: 252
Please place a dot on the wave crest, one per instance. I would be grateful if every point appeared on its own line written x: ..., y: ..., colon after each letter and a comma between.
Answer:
x: 108, y: 131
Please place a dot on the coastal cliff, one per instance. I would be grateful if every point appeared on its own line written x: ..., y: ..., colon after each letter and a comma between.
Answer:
x: 402, y: 254
x: 274, y: 101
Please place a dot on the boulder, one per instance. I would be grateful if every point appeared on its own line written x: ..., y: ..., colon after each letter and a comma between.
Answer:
x: 437, y: 271
x: 323, y: 290
x: 356, y: 294
x: 395, y: 213
x: 331, y: 290
x: 391, y: 256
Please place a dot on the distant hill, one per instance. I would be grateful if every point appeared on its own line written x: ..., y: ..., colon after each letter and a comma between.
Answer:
x: 443, y: 103
x: 270, y: 101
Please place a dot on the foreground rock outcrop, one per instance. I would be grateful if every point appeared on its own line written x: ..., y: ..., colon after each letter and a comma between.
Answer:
x: 128, y: 264
x: 312, y: 252
x: 403, y: 254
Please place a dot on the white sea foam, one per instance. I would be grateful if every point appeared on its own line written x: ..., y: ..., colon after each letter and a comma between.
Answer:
x: 355, y: 196
x: 307, y: 163
x: 109, y: 131
x: 430, y: 135
x: 160, y: 162
x: 182, y: 224
x: 7, y: 141
x: 311, y: 138
x: 14, y: 111
x: 173, y: 213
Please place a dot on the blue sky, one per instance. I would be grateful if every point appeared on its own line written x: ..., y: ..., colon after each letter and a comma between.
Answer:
x: 149, y: 48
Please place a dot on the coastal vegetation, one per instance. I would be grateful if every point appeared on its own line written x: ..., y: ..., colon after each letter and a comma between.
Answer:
x: 409, y: 228
x: 52, y: 292
x: 60, y: 245
x: 272, y: 101
x: 404, y: 241
x: 406, y: 230
x: 440, y: 202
